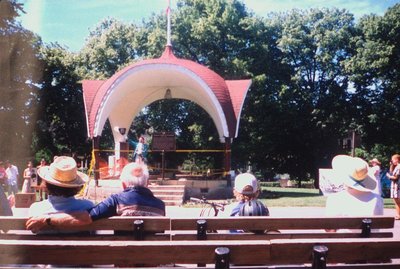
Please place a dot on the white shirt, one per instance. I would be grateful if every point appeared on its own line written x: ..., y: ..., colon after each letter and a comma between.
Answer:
x: 350, y: 202
x: 12, y: 175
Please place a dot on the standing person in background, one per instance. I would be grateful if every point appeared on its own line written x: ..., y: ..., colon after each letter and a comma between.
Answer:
x: 140, y: 152
x: 29, y: 175
x: 3, y: 176
x: 5, y: 209
x: 12, y: 178
x: 39, y: 187
x: 376, y: 172
x: 394, y: 175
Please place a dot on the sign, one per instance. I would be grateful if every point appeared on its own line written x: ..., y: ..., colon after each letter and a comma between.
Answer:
x: 24, y: 200
x: 328, y: 182
x: 164, y: 141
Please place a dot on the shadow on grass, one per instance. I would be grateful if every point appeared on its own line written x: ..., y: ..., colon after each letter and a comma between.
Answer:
x: 289, y: 193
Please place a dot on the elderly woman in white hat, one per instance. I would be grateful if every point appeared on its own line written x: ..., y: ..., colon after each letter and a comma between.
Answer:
x: 63, y: 181
x: 359, y: 197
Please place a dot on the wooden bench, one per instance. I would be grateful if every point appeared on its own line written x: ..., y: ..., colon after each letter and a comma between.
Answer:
x: 163, y: 228
x: 166, y: 241
x: 289, y: 228
x: 239, y: 252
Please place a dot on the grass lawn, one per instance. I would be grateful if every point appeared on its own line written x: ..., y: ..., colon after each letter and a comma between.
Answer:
x: 292, y: 197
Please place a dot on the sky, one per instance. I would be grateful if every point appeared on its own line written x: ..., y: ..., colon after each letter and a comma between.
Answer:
x: 68, y: 22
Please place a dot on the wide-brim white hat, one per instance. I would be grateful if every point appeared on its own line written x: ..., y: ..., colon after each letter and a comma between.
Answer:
x: 354, y: 173
x: 63, y: 172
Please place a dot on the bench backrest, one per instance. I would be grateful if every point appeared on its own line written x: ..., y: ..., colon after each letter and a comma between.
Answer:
x: 243, y: 252
x: 307, y: 227
x: 163, y: 228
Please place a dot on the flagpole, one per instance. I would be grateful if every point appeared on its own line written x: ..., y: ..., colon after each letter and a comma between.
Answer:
x: 169, y: 24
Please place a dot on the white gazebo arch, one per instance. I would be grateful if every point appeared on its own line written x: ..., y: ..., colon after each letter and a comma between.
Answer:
x: 120, y: 98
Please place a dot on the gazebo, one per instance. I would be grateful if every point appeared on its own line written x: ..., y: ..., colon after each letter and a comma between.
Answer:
x: 122, y: 96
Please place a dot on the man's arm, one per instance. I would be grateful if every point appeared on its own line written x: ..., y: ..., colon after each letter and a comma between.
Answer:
x: 58, y: 220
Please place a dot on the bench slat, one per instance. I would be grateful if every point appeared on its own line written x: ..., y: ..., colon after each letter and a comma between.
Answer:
x: 268, y: 223
x: 251, y: 236
x: 133, y: 252
x: 151, y: 224
x: 154, y: 252
x: 340, y: 250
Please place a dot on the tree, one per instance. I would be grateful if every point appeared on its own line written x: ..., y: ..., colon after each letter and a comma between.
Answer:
x: 59, y: 128
x: 20, y: 72
x: 375, y: 71
x: 110, y: 46
x: 315, y: 44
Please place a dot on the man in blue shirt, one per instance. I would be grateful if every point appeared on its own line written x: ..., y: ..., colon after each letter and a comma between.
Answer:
x: 62, y: 181
x: 135, y: 200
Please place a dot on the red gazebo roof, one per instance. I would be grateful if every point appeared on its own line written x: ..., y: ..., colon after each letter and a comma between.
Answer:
x: 230, y: 94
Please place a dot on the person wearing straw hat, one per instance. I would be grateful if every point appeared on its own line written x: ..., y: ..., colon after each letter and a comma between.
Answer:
x: 135, y: 200
x: 358, y: 197
x: 376, y: 172
x: 63, y: 181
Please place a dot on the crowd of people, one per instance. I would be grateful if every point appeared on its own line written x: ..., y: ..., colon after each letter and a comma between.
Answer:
x: 361, y: 195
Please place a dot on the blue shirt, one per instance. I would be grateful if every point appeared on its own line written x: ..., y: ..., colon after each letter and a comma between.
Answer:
x: 133, y: 201
x: 236, y: 209
x: 59, y: 204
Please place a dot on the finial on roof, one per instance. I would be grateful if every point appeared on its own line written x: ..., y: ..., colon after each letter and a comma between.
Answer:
x: 168, y: 53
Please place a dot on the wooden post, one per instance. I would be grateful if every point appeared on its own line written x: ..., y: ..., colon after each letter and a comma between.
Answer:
x: 96, y: 149
x: 123, y: 150
x: 227, y: 161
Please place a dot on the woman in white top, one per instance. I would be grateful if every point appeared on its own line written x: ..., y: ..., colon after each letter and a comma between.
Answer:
x: 394, y: 175
x: 29, y: 174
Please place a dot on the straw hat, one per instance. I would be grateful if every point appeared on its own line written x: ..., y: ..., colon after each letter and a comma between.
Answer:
x: 63, y: 172
x: 354, y: 173
x: 375, y: 160
x: 243, y: 180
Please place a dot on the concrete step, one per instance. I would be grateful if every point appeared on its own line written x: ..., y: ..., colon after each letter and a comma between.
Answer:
x: 171, y: 195
x: 161, y: 187
x: 167, y: 193
x: 172, y: 203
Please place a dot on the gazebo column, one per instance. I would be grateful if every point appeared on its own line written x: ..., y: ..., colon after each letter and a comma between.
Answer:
x: 96, y: 149
x: 123, y: 150
x: 227, y: 161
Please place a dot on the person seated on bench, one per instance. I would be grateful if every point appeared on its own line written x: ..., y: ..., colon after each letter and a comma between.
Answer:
x: 246, y: 191
x: 358, y: 197
x: 135, y: 200
x: 63, y: 181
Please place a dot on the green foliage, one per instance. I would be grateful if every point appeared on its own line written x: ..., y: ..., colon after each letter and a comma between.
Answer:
x: 375, y: 72
x: 316, y: 74
x: 61, y: 117
x: 20, y: 71
x: 109, y: 47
